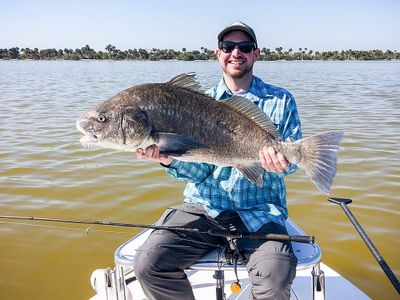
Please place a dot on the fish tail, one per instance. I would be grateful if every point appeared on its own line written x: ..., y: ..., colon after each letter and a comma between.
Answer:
x: 317, y: 156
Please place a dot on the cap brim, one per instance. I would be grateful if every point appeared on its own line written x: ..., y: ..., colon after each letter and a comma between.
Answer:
x: 236, y: 28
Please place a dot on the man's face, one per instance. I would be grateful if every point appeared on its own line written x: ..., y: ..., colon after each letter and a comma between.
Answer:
x: 237, y: 64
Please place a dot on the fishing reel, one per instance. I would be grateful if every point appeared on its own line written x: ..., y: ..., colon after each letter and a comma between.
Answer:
x: 234, y: 256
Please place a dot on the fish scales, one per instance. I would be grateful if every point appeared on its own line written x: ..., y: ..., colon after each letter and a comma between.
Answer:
x: 174, y: 109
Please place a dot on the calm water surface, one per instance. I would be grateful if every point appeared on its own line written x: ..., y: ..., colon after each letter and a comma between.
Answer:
x: 45, y: 172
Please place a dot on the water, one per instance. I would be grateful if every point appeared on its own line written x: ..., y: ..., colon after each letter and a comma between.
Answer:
x: 45, y: 172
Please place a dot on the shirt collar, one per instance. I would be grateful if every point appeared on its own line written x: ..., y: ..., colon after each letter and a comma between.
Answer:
x: 223, y: 92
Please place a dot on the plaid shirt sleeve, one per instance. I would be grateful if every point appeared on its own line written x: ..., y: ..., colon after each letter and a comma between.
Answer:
x: 190, y: 172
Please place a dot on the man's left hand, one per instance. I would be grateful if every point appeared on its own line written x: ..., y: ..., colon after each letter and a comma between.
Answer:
x: 273, y: 161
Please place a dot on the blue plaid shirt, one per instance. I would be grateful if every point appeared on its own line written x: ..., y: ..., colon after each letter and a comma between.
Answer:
x: 225, y: 188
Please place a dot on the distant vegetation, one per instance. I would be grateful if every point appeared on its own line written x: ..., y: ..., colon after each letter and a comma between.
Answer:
x: 204, y: 54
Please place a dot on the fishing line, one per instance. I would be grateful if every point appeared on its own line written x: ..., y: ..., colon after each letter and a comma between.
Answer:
x: 85, y: 231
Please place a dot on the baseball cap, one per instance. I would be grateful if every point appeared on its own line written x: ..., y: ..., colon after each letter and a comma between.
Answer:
x: 239, y: 26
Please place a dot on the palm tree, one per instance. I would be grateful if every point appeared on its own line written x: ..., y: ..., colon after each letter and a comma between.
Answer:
x: 310, y: 54
x: 26, y: 53
x: 110, y: 48
x: 14, y: 52
x: 279, y: 51
x: 349, y: 54
x: 36, y: 53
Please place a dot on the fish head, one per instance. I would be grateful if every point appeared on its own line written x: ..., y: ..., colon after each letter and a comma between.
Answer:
x: 113, y: 125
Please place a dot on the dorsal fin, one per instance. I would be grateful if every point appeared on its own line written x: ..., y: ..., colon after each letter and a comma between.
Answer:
x: 252, y: 111
x: 186, y: 81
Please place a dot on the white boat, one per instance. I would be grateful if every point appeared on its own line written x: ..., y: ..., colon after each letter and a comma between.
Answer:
x: 314, y: 280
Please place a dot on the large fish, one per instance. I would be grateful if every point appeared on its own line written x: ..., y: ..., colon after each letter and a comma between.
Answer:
x: 191, y: 126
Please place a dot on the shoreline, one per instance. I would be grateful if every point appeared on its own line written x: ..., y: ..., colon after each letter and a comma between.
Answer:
x: 194, y: 60
x: 265, y: 54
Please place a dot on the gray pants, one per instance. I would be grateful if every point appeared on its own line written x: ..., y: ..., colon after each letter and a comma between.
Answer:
x: 160, y: 262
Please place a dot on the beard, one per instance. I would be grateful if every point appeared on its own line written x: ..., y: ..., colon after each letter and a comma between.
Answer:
x: 238, y: 73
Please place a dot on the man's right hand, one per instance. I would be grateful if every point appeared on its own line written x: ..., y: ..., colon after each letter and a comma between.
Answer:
x: 153, y: 153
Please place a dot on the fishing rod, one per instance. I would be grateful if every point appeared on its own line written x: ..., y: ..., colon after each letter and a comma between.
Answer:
x: 222, y: 233
x: 342, y: 202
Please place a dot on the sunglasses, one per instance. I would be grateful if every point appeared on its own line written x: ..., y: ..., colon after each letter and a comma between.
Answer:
x: 228, y: 46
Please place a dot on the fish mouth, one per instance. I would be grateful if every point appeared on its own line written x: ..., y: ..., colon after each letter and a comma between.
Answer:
x: 88, y: 138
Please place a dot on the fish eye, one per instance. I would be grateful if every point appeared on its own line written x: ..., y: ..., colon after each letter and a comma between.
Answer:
x: 101, y: 118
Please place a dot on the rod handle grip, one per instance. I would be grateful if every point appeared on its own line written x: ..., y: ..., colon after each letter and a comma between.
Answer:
x: 305, y: 239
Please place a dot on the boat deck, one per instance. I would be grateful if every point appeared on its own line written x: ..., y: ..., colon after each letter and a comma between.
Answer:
x: 329, y: 285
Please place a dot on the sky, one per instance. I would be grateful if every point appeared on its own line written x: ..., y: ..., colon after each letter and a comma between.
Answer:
x: 172, y: 24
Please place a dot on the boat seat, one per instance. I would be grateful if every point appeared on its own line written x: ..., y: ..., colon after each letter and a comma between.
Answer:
x: 308, y: 255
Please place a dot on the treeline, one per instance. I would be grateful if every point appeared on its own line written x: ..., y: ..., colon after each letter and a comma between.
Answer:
x: 204, y: 54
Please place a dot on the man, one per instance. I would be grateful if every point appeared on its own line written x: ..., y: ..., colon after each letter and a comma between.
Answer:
x: 221, y: 196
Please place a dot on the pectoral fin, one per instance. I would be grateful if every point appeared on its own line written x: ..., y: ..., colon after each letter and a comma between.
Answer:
x: 253, y: 173
x: 175, y: 144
